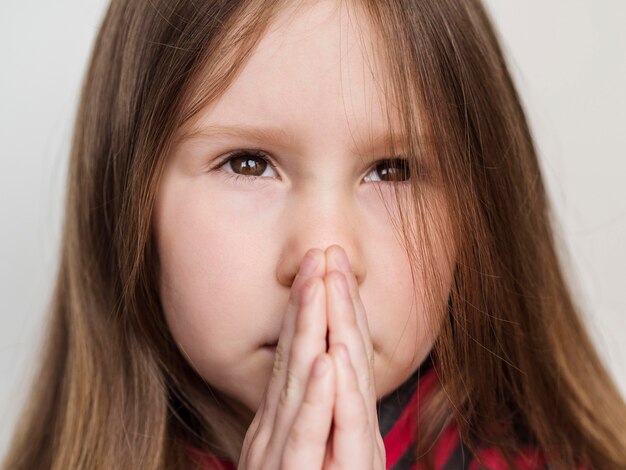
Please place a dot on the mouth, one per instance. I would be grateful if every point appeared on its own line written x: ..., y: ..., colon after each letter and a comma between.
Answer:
x: 271, y: 346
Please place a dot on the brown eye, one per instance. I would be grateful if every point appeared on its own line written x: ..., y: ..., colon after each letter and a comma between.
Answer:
x: 392, y: 170
x: 248, y: 164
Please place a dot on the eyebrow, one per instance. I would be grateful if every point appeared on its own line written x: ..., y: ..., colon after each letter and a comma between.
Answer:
x: 269, y: 134
x: 278, y: 136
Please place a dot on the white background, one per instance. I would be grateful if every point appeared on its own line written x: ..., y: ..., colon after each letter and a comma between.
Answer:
x: 568, y: 58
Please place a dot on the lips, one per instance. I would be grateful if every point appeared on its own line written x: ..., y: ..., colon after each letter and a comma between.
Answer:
x: 273, y: 344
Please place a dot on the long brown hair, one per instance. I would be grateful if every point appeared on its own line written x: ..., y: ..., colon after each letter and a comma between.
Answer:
x: 515, y: 362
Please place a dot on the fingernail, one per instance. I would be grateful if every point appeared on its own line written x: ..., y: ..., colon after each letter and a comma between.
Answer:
x: 342, y: 260
x: 309, y: 263
x: 343, y: 354
x: 342, y: 286
x: 309, y: 293
x: 319, y: 367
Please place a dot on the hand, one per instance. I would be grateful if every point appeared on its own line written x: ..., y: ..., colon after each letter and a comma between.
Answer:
x: 291, y: 427
x: 356, y: 441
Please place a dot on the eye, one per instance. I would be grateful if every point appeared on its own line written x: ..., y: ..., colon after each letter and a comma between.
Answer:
x: 246, y: 164
x: 391, y: 170
x: 249, y: 165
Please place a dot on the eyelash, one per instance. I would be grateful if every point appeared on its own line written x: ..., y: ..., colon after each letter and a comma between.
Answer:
x: 259, y: 154
x: 239, y: 153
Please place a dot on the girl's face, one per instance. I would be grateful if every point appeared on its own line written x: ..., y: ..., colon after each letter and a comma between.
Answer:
x: 230, y: 248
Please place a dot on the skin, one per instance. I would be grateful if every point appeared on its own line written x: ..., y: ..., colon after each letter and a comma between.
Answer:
x: 230, y: 250
x: 292, y: 428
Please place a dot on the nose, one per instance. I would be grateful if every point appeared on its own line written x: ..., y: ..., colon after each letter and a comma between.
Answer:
x: 317, y: 223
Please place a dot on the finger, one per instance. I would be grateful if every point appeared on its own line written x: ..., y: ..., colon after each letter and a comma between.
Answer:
x: 353, y: 444
x: 316, y: 261
x: 337, y: 260
x: 309, y: 340
x: 342, y: 328
x: 312, y: 265
x: 305, y: 447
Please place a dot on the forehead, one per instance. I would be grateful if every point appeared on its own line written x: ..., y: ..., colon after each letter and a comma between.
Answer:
x: 314, y: 72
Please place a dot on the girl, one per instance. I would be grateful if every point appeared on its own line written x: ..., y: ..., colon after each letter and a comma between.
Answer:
x: 314, y: 235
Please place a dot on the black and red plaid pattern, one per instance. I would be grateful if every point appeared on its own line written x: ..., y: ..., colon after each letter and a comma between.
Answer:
x: 397, y: 414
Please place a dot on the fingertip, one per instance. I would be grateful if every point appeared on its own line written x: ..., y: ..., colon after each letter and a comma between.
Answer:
x: 320, y: 366
x: 308, y: 291
x: 344, y: 355
x: 322, y: 379
x: 341, y: 355
x: 321, y: 260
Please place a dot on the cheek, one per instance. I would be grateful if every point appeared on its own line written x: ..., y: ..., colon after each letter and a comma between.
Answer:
x: 208, y: 275
x: 406, y: 325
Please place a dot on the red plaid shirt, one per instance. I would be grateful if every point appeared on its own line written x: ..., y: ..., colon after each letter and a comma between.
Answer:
x: 397, y: 413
